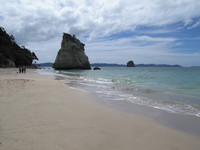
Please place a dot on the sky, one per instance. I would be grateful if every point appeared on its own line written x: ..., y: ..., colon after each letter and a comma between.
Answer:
x: 113, y: 31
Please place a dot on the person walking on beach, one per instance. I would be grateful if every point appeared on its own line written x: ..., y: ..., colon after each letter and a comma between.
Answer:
x: 20, y: 69
x: 23, y: 69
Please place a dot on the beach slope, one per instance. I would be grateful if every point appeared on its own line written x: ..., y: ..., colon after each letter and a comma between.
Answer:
x: 41, y: 113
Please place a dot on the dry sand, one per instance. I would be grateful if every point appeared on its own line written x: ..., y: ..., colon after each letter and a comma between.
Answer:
x: 40, y: 113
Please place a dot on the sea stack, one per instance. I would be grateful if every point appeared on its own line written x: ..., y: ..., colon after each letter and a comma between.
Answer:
x: 130, y: 64
x: 71, y: 55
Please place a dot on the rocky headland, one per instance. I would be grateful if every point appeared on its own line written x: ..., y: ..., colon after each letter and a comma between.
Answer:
x: 13, y: 55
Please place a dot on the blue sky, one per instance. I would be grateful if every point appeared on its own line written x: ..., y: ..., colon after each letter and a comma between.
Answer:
x: 145, y: 31
x: 171, y: 44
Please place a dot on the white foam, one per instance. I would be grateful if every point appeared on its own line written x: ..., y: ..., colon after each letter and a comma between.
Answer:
x: 78, y: 89
x: 42, y: 71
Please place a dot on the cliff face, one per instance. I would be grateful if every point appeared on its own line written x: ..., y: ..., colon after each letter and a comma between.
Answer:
x: 71, y: 55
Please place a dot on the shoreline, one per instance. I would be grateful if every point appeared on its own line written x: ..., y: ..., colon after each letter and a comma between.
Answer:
x: 39, y: 112
x: 184, y: 123
x: 181, y: 122
x: 172, y: 96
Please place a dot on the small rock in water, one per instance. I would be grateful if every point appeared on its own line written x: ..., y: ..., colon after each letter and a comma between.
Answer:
x: 130, y: 64
x: 96, y: 68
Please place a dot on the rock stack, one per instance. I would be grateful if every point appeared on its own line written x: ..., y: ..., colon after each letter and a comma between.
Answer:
x: 71, y: 55
x: 130, y: 64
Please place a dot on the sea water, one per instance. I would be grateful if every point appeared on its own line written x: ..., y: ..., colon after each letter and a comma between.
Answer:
x: 176, y: 90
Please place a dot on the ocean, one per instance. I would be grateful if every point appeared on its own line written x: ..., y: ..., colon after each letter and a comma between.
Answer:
x: 175, y: 90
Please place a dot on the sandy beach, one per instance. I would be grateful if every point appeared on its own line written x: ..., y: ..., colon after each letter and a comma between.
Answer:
x: 38, y: 112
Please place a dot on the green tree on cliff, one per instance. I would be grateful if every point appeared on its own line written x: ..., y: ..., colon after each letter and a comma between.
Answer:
x: 10, y: 51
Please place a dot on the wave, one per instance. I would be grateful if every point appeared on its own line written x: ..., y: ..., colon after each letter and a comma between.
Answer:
x: 110, y: 91
x: 141, y: 91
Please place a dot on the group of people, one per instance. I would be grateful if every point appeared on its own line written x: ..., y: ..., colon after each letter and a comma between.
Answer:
x: 22, y: 69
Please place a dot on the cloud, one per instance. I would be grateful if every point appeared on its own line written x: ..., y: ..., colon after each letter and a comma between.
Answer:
x: 154, y: 31
x: 196, y: 24
x: 151, y: 39
x: 41, y: 20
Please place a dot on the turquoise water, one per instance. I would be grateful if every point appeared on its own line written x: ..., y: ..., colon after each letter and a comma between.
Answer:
x: 175, y: 90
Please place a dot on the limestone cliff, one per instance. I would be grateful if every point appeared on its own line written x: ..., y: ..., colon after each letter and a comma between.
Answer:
x: 71, y: 55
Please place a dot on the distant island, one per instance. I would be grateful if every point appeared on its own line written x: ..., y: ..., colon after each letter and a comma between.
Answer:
x: 136, y: 65
x: 49, y: 64
x: 156, y: 65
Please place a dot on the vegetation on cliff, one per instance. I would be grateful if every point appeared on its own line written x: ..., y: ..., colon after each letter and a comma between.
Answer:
x: 11, y: 54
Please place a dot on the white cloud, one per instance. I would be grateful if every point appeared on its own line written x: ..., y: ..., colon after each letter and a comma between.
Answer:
x: 155, y: 31
x: 196, y: 24
x: 96, y: 18
x: 157, y: 39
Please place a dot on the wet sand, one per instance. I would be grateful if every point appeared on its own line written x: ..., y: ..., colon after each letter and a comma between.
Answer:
x: 38, y: 112
x: 184, y: 123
